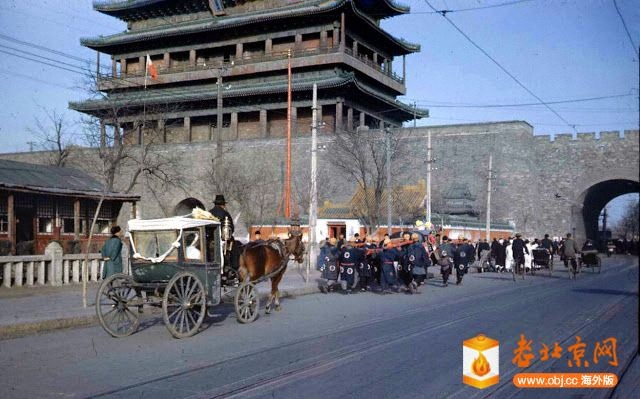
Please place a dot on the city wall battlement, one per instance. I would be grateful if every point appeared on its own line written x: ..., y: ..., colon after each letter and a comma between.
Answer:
x: 628, y: 136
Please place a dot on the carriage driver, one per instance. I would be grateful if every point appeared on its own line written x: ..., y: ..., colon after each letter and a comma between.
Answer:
x: 232, y: 250
x: 219, y: 210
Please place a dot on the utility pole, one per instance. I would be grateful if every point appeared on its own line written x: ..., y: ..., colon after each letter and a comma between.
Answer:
x: 287, y: 192
x: 219, y: 118
x: 313, y: 206
x: 388, y: 150
x: 604, y: 224
x: 489, y: 178
x: 429, y: 161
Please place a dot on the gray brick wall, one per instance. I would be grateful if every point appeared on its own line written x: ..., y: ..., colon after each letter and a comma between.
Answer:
x: 529, y: 170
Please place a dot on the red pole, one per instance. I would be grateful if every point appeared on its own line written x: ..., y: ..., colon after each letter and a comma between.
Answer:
x: 287, y: 205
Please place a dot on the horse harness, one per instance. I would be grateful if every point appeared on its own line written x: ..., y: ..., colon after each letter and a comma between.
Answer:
x: 278, y: 246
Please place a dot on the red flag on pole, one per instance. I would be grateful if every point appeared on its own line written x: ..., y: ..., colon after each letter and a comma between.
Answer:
x: 151, y: 69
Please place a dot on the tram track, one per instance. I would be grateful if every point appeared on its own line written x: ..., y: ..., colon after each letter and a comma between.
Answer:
x: 338, y: 358
x: 329, y: 360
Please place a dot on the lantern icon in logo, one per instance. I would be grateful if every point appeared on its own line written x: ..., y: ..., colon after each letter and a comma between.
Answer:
x: 480, y: 361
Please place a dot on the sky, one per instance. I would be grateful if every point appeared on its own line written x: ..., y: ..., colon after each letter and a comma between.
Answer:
x: 557, y: 50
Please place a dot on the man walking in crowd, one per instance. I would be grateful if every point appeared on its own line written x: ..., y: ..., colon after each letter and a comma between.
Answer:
x: 547, y: 244
x: 418, y: 261
x: 404, y: 267
x: 365, y: 268
x: 462, y: 255
x: 389, y: 255
x: 569, y: 251
x: 329, y: 266
x: 519, y: 248
x: 349, y: 258
x: 445, y: 264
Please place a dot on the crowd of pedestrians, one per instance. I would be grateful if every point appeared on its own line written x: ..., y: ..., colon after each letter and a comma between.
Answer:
x: 393, y: 265
x: 400, y: 265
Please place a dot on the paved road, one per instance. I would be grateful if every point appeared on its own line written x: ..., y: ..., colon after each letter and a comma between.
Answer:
x: 357, y: 346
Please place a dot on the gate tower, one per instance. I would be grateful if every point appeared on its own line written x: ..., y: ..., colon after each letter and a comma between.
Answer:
x: 227, y: 60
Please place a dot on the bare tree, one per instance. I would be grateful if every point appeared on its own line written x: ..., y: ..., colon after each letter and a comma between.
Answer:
x: 302, y: 188
x: 361, y: 155
x: 251, y: 188
x: 54, y: 133
x: 629, y: 225
x: 116, y: 134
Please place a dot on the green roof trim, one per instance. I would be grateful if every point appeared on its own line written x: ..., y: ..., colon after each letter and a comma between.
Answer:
x: 234, y: 21
x: 209, y: 92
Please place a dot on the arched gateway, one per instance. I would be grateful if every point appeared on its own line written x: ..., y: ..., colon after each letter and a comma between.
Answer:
x: 185, y: 206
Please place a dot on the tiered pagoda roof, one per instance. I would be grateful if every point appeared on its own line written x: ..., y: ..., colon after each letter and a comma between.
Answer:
x: 325, y: 80
x: 135, y: 10
x: 113, y: 43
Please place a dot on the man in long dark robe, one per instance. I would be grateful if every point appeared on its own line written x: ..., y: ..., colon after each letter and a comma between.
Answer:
x: 112, y: 253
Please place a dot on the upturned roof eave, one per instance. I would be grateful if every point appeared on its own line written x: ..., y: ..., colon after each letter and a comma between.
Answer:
x: 206, y: 93
x: 100, y: 42
x: 117, y: 9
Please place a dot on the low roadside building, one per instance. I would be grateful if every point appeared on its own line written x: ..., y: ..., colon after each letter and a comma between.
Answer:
x: 40, y: 204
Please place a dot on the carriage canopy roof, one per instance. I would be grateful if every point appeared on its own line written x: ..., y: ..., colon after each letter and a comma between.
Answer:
x: 173, y: 223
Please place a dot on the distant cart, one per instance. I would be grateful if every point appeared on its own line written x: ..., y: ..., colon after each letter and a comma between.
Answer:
x: 542, y: 259
x: 592, y: 260
x: 176, y: 264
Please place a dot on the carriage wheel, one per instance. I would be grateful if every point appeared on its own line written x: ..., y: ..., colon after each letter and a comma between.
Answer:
x: 599, y: 264
x: 247, y: 303
x: 113, y: 305
x: 184, y: 305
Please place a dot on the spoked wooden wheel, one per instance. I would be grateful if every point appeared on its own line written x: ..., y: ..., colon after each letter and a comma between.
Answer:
x: 184, y: 305
x: 115, y: 300
x: 247, y: 303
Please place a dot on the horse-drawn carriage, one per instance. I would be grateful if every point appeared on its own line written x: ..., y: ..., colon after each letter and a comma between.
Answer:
x: 177, y: 264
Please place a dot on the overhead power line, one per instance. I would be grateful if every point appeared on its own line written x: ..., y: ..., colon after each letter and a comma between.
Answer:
x: 626, y: 29
x: 510, y: 3
x: 432, y: 104
x: 47, y: 49
x: 444, y: 15
x: 43, y: 62
x: 40, y: 56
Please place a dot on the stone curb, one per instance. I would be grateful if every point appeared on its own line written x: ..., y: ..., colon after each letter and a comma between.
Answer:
x: 33, y: 328
x: 37, y: 327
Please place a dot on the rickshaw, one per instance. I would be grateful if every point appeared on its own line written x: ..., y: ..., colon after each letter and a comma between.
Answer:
x: 590, y: 259
x: 176, y: 265
x: 542, y: 258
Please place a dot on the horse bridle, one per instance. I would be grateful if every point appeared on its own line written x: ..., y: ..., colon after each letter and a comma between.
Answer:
x: 298, y: 250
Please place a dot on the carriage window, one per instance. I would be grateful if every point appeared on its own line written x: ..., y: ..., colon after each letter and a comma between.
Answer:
x: 192, y: 243
x: 152, y: 244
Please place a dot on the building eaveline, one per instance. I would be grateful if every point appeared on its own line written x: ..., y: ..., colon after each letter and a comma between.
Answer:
x: 234, y: 55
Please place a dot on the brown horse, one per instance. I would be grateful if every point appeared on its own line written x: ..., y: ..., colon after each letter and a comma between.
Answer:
x: 268, y: 259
